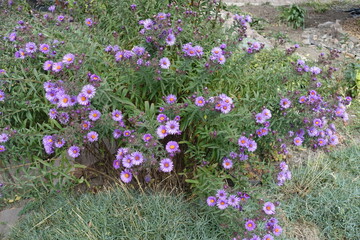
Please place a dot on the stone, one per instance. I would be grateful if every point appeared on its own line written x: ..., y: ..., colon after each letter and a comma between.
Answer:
x: 325, y: 25
x: 8, y: 218
x: 306, y: 41
x: 315, y: 37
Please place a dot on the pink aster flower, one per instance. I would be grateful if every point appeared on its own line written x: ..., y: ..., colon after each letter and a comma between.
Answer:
x: 68, y: 58
x: 74, y: 151
x: 89, y: 91
x: 164, y: 63
x: 166, y: 165
x: 92, y: 136
x: 250, y: 225
x: 211, y: 201
x: 126, y: 176
x: 94, y: 115
x: 269, y: 208
x: 227, y: 163
x: 172, y: 147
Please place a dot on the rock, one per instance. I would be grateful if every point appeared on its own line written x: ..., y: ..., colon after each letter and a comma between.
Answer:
x: 315, y: 37
x: 8, y: 218
x: 324, y: 36
x: 306, y: 41
x: 325, y: 25
x: 335, y: 41
x: 351, y: 45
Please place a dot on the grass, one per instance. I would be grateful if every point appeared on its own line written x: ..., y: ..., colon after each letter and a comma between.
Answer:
x: 113, y: 214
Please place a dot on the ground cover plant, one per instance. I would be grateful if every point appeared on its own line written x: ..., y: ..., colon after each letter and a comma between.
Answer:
x: 159, y: 92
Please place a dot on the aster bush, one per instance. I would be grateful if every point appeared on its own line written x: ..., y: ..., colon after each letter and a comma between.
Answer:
x: 169, y: 94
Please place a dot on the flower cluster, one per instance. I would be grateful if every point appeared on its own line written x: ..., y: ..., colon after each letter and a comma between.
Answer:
x: 284, y: 174
x: 192, y: 51
x: 56, y: 67
x: 223, y: 200
x: 221, y: 103
x: 254, y: 47
x: 4, y: 137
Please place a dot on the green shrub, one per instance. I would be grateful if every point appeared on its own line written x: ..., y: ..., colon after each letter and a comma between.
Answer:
x: 294, y: 16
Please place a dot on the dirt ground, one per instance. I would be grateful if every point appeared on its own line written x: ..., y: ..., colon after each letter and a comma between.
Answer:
x: 267, y: 23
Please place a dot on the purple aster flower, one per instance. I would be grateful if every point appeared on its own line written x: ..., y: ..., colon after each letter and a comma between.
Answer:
x: 20, y: 54
x: 2, y: 96
x: 127, y: 133
x: 302, y: 99
x: 147, y: 23
x: 127, y: 161
x: 266, y: 113
x: 89, y: 91
x: 333, y: 140
x: 94, y: 115
x: 243, y: 157
x: 172, y: 127
x: 269, y: 208
x: 138, y: 50
x: 284, y: 166
x: 64, y: 100
x: 315, y: 70
x: 164, y: 63
x: 221, y: 59
x: 268, y: 237
x: 217, y: 51
x: 48, y: 65
x: 92, y: 136
x: 170, y: 39
x: 222, y: 203
x: 12, y: 36
x: 117, y: 133
x: 161, y: 131
x: 95, y: 78
x: 255, y: 237
x: 221, y: 193
x: 260, y: 118
x: 322, y: 142
x: 74, y: 151
x: 317, y: 122
x: 172, y: 147
x: 30, y: 47
x: 277, y: 230
x: 285, y: 103
x: 313, y: 132
x: 161, y: 118
x: 4, y: 138
x: 60, y: 18
x: 198, y: 50
x: 227, y: 163
x: 126, y: 176
x: 60, y: 143
x: 44, y: 48
x: 49, y: 149
x: 2, y: 148
x: 170, y: 99
x: 161, y: 16
x: 88, y: 22
x: 128, y: 54
x: 243, y: 141
x: 57, y: 66
x: 116, y: 115
x: 166, y: 165
x: 252, y: 145
x: 121, y: 153
x: 298, y: 141
x: 119, y: 56
x: 233, y: 200
x: 116, y: 164
x: 64, y: 118
x: 211, y: 201
x: 85, y: 125
x: 250, y: 225
x: 147, y: 137
x: 200, y: 101
x: 52, y: 8
x: 48, y: 140
x: 68, y: 58
x: 225, y: 107
x: 82, y: 99
x: 137, y: 158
